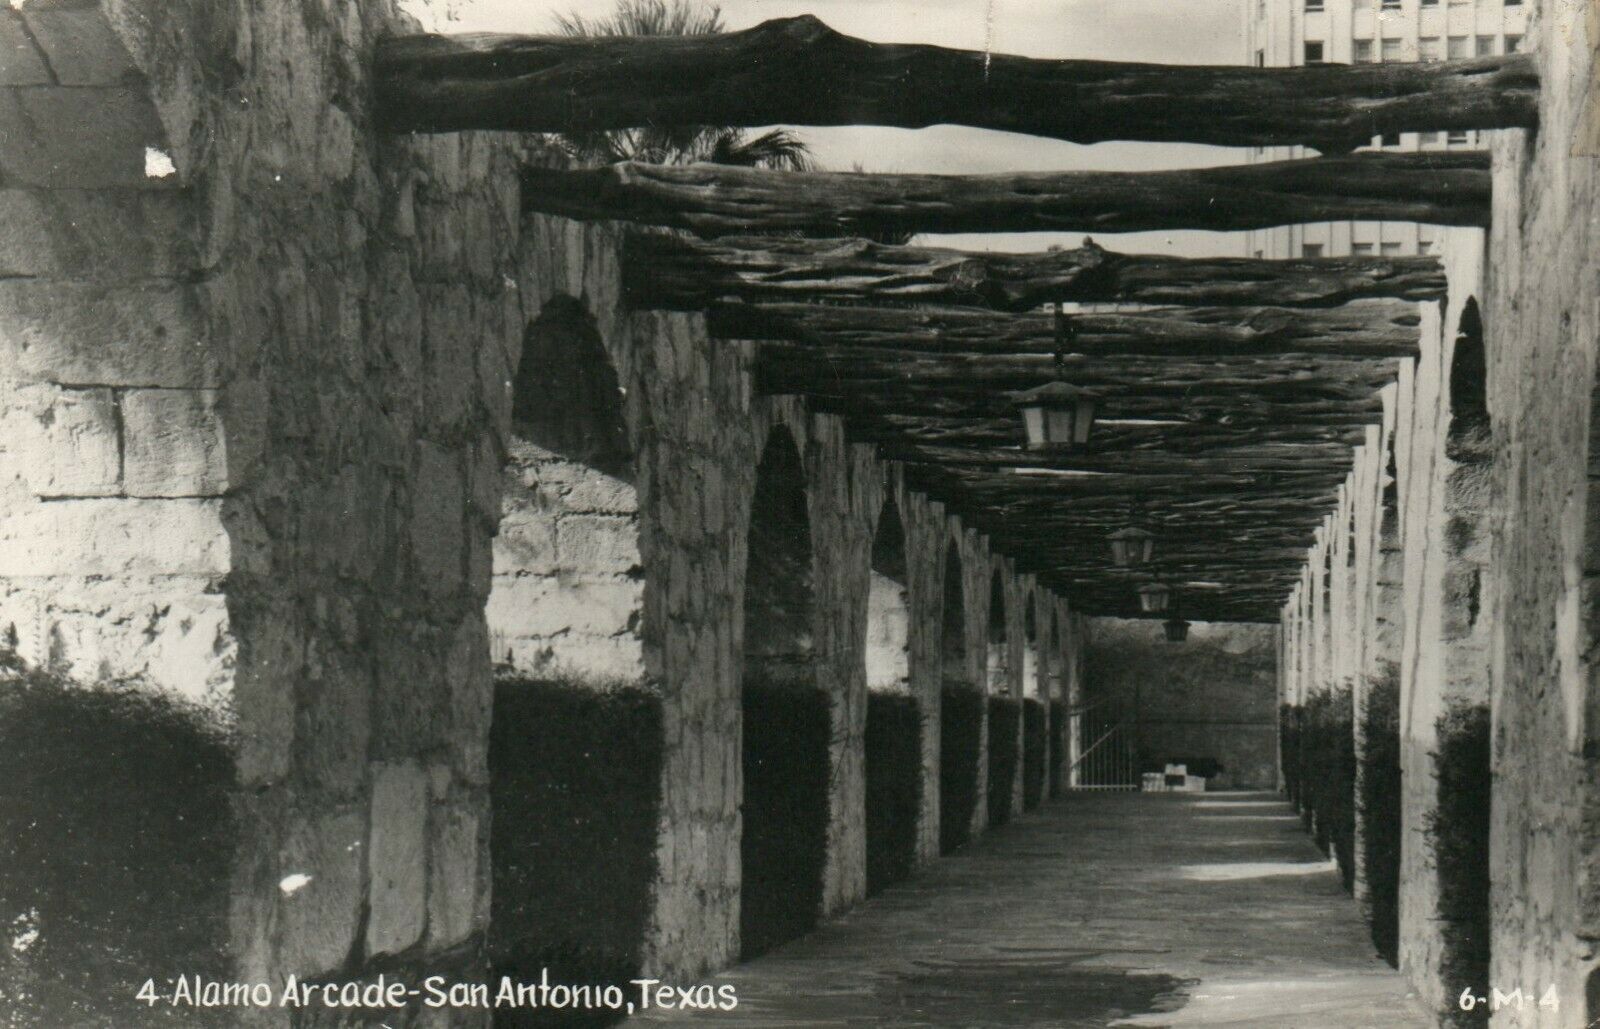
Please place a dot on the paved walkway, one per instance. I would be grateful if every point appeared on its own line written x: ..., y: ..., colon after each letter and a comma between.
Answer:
x: 1100, y: 910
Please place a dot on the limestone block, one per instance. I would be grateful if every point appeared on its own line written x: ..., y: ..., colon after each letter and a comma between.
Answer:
x: 454, y: 881
x: 601, y: 494
x: 397, y: 857
x: 82, y: 48
x: 81, y: 138
x: 437, y: 519
x: 526, y: 542
x: 320, y: 912
x: 109, y: 235
x: 67, y: 445
x: 333, y: 722
x: 174, y: 445
x: 115, y: 537
x: 70, y: 332
x: 598, y: 543
x: 20, y: 63
x: 544, y: 606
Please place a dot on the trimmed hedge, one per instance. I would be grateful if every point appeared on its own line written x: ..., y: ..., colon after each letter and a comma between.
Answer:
x: 575, y: 787
x: 1458, y: 834
x: 960, y: 723
x: 1379, y: 806
x: 1289, y: 718
x: 787, y: 732
x: 894, y: 787
x: 1005, y: 717
x: 1033, y: 754
x: 1058, y: 746
x: 117, y: 830
x: 1328, y: 775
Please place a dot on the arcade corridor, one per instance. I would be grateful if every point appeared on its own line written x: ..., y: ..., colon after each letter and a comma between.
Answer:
x: 1099, y: 909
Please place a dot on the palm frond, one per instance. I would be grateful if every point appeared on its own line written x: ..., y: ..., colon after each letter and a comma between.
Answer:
x: 775, y: 148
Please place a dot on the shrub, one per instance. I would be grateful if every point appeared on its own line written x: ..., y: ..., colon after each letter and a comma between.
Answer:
x: 1379, y: 803
x: 1458, y: 835
x: 117, y: 829
x: 1058, y: 746
x: 960, y: 723
x: 1033, y: 754
x: 894, y: 787
x: 784, y: 846
x: 575, y: 783
x: 1328, y: 770
x: 1004, y: 720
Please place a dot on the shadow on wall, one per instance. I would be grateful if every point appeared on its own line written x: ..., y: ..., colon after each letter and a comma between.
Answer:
x: 105, y: 882
x: 960, y: 719
x: 786, y: 717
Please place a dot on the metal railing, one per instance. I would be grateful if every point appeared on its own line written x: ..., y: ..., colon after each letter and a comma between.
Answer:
x: 1100, y: 735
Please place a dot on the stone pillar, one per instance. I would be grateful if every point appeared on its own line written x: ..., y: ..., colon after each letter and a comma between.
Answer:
x: 1017, y: 669
x: 977, y: 584
x: 845, y: 497
x: 1445, y: 657
x: 927, y: 538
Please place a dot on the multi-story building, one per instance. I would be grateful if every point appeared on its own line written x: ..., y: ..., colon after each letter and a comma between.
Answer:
x: 1283, y: 33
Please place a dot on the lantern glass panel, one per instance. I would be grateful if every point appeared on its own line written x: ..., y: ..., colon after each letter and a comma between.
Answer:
x: 1060, y: 429
x: 1177, y: 630
x: 1152, y: 599
x: 1033, y: 424
x: 1084, y: 421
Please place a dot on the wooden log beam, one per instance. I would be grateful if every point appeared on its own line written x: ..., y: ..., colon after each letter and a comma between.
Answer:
x: 1440, y: 187
x: 1365, y: 329
x: 685, y: 274
x: 798, y: 71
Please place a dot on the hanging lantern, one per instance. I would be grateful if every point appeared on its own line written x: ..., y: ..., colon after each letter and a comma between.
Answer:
x: 1057, y: 414
x: 1132, y: 546
x: 1176, y: 629
x: 1153, y: 598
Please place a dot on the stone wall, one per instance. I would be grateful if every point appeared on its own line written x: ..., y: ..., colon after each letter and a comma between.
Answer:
x: 1213, y: 696
x: 1543, y: 326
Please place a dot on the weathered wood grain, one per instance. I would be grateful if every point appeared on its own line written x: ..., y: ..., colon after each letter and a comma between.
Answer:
x: 1440, y: 187
x: 678, y: 273
x: 798, y: 71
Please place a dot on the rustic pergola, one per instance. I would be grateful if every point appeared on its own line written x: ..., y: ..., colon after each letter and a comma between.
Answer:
x: 1231, y: 391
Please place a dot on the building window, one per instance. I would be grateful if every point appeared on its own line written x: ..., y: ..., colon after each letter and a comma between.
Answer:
x: 1457, y: 47
x: 1261, y: 58
x: 1389, y: 139
x: 1430, y: 246
x: 1361, y: 249
x: 1313, y: 6
x: 1428, y: 48
x: 1430, y: 3
x: 1259, y: 254
x: 1513, y: 44
x: 1427, y: 138
x: 1513, y: 3
x: 1391, y: 5
x: 1485, y: 46
x: 1391, y: 49
x: 1361, y: 51
x: 1310, y: 249
x: 1390, y: 249
x: 1313, y: 53
x: 1456, y: 139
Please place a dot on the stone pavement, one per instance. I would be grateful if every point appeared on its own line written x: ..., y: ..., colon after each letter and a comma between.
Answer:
x: 1099, y: 910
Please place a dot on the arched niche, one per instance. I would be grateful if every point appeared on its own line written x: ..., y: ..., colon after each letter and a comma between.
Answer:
x: 888, y: 618
x: 576, y: 741
x: 786, y: 717
x: 997, y: 658
x: 567, y: 596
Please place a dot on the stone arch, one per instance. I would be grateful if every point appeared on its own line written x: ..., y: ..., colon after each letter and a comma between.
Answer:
x: 961, y: 718
x: 893, y: 739
x: 786, y: 716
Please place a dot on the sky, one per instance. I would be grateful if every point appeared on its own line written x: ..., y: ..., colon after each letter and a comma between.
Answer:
x: 1162, y: 31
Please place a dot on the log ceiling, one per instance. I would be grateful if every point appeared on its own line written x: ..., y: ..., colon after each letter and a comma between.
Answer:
x: 1231, y: 391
